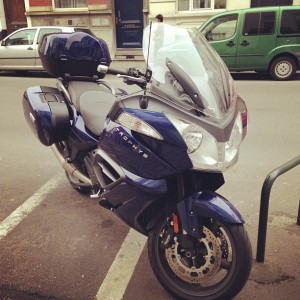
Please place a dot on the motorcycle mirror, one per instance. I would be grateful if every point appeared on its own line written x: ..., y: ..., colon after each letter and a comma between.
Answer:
x: 148, y: 75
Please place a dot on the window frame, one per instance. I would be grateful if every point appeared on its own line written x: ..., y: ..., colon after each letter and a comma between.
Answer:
x: 282, y: 19
x: 260, y: 14
x: 192, y: 9
x: 23, y: 31
x: 69, y: 8
x: 49, y: 31
x: 229, y: 17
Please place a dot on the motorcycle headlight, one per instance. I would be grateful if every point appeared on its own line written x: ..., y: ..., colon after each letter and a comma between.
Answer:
x: 135, y: 124
x: 212, y: 155
x: 192, y: 136
x: 191, y: 133
x: 231, y: 147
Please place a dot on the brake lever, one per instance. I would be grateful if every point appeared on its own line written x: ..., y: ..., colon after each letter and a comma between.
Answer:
x: 131, y: 78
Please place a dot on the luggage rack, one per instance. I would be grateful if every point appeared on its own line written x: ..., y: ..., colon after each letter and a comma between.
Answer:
x: 264, y: 205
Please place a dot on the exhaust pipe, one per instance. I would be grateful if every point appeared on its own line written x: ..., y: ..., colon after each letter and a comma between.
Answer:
x: 69, y: 167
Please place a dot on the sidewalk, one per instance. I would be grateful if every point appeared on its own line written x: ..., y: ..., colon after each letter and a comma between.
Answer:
x: 278, y: 278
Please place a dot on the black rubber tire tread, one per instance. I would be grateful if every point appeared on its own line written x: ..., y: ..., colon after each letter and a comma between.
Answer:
x: 276, y: 61
x: 241, y: 242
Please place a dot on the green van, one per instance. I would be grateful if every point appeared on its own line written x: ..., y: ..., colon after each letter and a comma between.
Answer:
x: 257, y: 39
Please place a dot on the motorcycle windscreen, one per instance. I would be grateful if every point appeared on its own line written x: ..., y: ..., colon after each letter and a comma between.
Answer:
x: 183, y: 61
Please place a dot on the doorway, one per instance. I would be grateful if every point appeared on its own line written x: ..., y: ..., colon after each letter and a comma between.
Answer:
x: 14, y: 14
x: 129, y: 23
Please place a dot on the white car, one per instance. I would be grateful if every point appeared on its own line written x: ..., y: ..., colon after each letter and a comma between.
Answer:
x: 19, y: 50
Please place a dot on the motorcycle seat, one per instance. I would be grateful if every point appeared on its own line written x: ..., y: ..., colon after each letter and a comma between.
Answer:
x: 95, y: 106
x: 93, y: 102
x: 77, y: 88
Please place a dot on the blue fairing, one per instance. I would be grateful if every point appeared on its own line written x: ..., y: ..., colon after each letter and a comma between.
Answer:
x: 205, y: 205
x: 212, y: 205
x: 142, y: 155
x: 172, y: 147
x: 83, y: 132
x: 133, y: 196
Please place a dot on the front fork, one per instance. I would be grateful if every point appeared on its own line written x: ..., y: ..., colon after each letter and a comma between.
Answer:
x: 209, y: 205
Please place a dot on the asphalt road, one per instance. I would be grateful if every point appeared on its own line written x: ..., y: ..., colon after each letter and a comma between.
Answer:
x: 63, y: 245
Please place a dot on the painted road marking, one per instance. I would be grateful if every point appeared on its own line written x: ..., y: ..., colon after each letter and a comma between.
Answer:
x: 27, y: 207
x: 124, y: 264
x: 116, y: 281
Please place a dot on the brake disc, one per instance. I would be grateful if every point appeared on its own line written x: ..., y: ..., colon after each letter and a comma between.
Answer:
x: 182, y: 264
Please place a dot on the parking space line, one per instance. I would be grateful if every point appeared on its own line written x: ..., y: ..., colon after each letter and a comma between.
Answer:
x: 116, y: 281
x: 10, y: 222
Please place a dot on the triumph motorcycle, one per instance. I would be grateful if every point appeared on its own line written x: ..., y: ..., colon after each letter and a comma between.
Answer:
x: 154, y: 157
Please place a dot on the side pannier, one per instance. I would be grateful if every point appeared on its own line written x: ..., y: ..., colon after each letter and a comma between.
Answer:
x: 47, y: 114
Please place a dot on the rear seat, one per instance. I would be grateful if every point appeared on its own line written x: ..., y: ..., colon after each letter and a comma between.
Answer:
x: 93, y: 101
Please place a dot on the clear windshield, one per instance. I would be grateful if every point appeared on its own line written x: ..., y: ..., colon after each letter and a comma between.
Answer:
x: 187, y: 70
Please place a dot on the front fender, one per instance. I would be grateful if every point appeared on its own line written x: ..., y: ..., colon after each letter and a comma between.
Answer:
x: 206, y: 204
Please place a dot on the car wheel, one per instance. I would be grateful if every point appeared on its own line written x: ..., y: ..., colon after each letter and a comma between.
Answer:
x: 283, y: 68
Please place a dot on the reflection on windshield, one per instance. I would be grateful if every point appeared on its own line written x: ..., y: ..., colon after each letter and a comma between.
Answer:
x: 198, y: 63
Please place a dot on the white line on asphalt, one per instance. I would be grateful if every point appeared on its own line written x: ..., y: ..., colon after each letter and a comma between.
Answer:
x: 115, y: 283
x: 27, y: 207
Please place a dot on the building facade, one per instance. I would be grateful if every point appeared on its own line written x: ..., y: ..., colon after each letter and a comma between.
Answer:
x: 119, y: 22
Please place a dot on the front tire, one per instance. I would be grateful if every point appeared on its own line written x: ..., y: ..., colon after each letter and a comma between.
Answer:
x: 216, y: 267
x: 283, y: 68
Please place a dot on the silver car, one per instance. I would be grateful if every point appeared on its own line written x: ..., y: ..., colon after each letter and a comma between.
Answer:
x: 19, y: 50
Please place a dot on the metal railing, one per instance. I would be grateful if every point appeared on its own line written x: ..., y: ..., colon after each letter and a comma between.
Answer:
x: 264, y: 206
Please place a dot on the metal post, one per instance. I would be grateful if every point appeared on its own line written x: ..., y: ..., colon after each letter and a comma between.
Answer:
x: 298, y: 218
x: 264, y: 206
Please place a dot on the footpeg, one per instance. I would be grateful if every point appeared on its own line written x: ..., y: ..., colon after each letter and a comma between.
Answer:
x: 106, y: 204
x: 96, y: 195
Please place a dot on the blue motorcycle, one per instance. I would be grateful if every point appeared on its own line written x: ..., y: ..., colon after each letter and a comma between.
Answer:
x: 154, y: 157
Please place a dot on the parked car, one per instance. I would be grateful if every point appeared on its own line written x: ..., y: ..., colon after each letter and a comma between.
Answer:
x: 265, y: 39
x: 19, y: 50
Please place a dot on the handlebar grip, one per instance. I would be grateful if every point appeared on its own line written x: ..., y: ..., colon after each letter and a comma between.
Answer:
x: 114, y: 71
x: 103, y: 69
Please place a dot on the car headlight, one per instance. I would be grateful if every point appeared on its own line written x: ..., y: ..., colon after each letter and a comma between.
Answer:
x: 191, y: 133
x: 135, y: 124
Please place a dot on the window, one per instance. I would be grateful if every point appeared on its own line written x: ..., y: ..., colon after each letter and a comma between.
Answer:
x: 44, y: 31
x: 259, y: 23
x: 261, y: 3
x: 190, y: 5
x: 24, y: 37
x: 70, y: 3
x: 290, y: 22
x: 221, y: 28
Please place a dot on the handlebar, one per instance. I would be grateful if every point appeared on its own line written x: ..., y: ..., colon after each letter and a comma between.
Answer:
x: 131, y: 76
x: 108, y: 70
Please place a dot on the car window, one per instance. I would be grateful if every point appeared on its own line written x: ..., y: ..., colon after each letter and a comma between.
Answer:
x: 23, y: 37
x: 44, y: 31
x: 290, y: 22
x: 221, y: 28
x: 259, y: 23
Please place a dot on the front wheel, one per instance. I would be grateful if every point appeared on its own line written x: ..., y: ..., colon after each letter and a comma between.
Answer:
x: 215, y: 266
x: 283, y: 68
